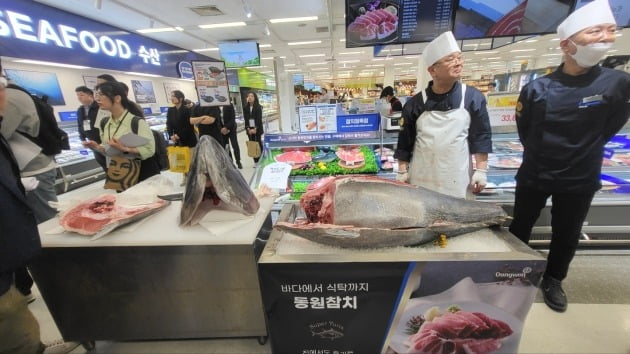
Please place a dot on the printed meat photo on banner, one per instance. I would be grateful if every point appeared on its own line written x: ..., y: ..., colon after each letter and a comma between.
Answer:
x: 372, y: 22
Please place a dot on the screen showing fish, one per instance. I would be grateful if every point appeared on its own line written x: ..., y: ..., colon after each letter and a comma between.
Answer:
x: 214, y: 181
x: 372, y: 212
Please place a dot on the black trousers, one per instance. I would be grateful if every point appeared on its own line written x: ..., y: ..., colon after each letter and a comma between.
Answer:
x: 23, y: 281
x: 568, y: 212
x: 232, y: 139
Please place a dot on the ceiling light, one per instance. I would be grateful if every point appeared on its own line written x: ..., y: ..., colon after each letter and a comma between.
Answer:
x: 206, y: 49
x: 403, y: 64
x: 552, y: 54
x: 350, y: 53
x: 157, y: 30
x: 293, y: 70
x: 266, y: 58
x: 264, y: 45
x: 221, y: 25
x: 267, y: 32
x: 350, y: 61
x: 531, y: 41
x: 293, y: 19
x: 412, y: 57
x: 315, y: 69
x: 378, y: 59
x: 522, y: 56
x: 522, y: 50
x: 289, y: 64
x: 312, y: 55
x: 342, y: 40
x: 305, y: 42
x: 486, y: 52
x: 141, y: 74
x: 493, y: 58
x: 555, y: 39
x: 319, y: 63
x: 50, y: 63
x: 471, y: 45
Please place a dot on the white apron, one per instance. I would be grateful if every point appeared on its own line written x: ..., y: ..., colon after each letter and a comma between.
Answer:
x: 441, y: 159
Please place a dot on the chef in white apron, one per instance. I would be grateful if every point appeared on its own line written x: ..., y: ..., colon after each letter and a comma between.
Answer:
x: 443, y: 126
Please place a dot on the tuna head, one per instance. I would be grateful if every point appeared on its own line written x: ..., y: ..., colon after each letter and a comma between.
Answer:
x: 362, y: 212
x: 213, y: 182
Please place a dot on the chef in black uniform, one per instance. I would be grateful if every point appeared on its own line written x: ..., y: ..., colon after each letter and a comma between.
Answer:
x: 564, y: 119
x: 86, y: 121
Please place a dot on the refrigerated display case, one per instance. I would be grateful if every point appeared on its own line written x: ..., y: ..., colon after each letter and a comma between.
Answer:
x: 605, y: 225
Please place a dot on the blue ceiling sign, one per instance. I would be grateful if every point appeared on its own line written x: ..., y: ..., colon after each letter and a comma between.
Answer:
x: 29, y: 30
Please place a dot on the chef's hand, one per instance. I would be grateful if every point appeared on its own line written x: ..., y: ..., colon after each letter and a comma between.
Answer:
x: 29, y: 183
x: 479, y: 180
x: 402, y: 176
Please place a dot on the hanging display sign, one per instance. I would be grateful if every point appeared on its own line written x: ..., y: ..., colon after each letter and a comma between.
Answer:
x: 30, y: 30
x: 358, y: 122
x: 67, y: 116
x: 502, y: 109
x: 211, y: 83
x: 184, y: 69
x: 318, y: 118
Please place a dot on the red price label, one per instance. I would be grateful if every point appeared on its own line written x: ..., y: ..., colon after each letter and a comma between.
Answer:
x: 508, y: 117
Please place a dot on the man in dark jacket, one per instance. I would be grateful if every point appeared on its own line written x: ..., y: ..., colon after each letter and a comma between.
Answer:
x: 86, y: 119
x: 564, y: 120
x: 208, y: 120
x: 229, y: 132
x: 19, y: 243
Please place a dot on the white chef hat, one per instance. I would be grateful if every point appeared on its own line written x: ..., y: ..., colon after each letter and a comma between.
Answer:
x: 440, y: 47
x: 594, y: 13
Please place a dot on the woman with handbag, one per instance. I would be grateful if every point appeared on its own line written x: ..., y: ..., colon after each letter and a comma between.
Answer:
x: 178, y: 125
x: 253, y: 123
x: 111, y: 97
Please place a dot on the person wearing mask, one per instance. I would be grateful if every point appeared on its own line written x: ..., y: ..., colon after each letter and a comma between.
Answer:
x: 388, y: 95
x: 208, y: 121
x: 178, y: 122
x: 444, y: 127
x: 19, y: 237
x: 252, y: 111
x: 564, y: 119
x: 229, y: 132
x: 86, y: 120
x: 111, y: 97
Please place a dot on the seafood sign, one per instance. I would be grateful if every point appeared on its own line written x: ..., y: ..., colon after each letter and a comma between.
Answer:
x: 372, y: 212
x: 214, y: 181
x: 101, y: 215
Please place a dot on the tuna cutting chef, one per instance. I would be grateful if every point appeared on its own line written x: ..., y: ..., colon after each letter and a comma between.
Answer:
x: 444, y: 126
x: 564, y: 119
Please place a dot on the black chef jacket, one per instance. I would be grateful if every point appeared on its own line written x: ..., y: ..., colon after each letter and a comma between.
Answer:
x: 564, y: 122
x: 479, y: 132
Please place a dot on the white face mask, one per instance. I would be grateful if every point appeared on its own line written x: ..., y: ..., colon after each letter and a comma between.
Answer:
x: 590, y: 54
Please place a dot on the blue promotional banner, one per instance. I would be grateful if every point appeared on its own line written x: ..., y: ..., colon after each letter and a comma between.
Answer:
x: 283, y: 138
x: 358, y: 122
x: 29, y: 30
x: 67, y: 116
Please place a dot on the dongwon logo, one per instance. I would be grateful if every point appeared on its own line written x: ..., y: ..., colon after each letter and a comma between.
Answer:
x: 327, y: 330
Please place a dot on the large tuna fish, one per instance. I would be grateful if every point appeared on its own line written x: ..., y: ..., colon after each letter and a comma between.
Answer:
x: 212, y: 180
x: 371, y: 212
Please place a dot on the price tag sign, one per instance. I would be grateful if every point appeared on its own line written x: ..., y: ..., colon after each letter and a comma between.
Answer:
x: 502, y: 109
x: 276, y: 175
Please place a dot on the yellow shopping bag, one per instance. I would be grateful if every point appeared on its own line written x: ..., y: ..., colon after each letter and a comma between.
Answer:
x: 178, y: 158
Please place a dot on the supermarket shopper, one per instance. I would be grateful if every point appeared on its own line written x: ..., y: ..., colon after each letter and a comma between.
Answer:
x: 443, y: 126
x: 19, y: 244
x: 394, y: 103
x: 229, y: 133
x: 86, y: 120
x: 112, y: 97
x: 252, y: 111
x: 208, y: 121
x: 564, y: 120
x: 178, y: 124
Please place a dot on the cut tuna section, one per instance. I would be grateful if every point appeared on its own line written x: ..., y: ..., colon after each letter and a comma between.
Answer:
x: 459, y: 332
x: 351, y: 156
x: 374, y: 24
x: 294, y: 157
x: 94, y: 215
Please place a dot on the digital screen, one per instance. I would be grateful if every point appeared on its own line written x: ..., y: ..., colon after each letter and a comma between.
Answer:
x: 496, y: 18
x: 620, y: 8
x: 39, y: 84
x: 239, y: 54
x: 298, y: 79
x: 370, y: 23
